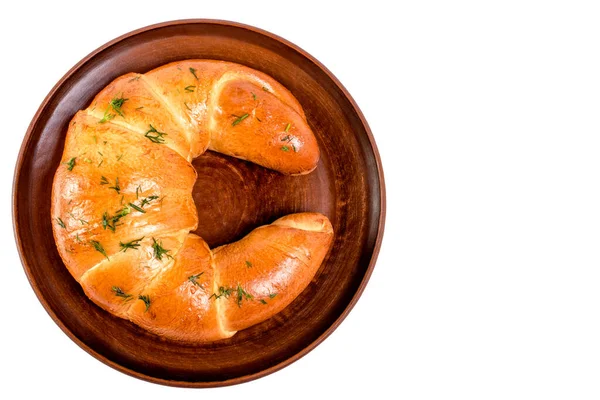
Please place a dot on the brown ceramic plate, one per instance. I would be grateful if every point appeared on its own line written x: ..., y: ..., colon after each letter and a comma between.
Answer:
x: 232, y: 198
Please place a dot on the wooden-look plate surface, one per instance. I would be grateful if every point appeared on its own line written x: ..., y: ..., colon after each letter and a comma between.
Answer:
x: 232, y: 197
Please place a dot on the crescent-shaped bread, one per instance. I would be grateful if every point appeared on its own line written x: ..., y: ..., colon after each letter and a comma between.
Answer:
x: 122, y: 205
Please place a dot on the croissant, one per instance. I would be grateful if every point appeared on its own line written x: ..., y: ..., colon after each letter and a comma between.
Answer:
x: 122, y: 205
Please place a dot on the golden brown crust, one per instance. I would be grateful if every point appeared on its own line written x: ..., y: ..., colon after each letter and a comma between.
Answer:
x: 213, y: 98
x: 271, y: 135
x: 116, y: 283
x: 103, y: 153
x: 267, y: 269
x: 179, y: 298
x: 141, y: 111
x: 122, y: 205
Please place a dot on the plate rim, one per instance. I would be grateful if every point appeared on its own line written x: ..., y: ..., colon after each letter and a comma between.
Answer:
x: 243, y: 378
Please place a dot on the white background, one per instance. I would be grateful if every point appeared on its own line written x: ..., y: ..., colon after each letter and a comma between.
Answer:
x: 487, y: 117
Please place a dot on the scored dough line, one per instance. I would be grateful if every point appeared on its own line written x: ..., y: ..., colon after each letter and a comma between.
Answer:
x: 104, y: 261
x: 218, y: 307
x: 182, y: 233
x: 181, y: 121
x: 129, y: 127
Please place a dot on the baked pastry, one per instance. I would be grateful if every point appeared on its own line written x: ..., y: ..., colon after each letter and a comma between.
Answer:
x: 123, y: 210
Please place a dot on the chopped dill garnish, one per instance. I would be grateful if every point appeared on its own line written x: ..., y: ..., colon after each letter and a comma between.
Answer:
x: 61, y: 223
x: 190, y: 88
x: 288, y: 138
x: 134, y: 244
x: 223, y: 291
x: 242, y: 295
x: 120, y: 293
x: 239, y: 119
x: 98, y: 248
x: 158, y: 138
x: 116, y: 105
x: 111, y: 222
x: 146, y: 300
x: 70, y: 164
x: 136, y: 208
x: 193, y: 71
x: 103, y: 180
x: 107, y: 117
x: 147, y: 200
x: 160, y: 251
x: 107, y: 222
x: 194, y: 278
x: 116, y: 188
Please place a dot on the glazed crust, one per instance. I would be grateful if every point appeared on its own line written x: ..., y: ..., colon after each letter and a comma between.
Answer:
x: 268, y: 268
x: 122, y: 205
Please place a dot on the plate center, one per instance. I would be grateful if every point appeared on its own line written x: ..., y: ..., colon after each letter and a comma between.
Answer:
x: 234, y: 196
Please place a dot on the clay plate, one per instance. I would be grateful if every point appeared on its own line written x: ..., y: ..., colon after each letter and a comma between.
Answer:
x: 232, y: 198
